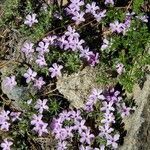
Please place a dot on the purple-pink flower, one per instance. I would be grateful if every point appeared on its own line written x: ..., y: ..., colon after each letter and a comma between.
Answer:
x: 78, y: 17
x: 100, y: 15
x: 109, y: 2
x: 120, y: 68
x: 39, y: 82
x: 91, y: 8
x: 30, y: 75
x: 50, y: 39
x: 105, y: 130
x: 117, y: 27
x: 112, y: 140
x: 55, y: 70
x: 71, y: 32
x: 41, y: 61
x: 39, y: 126
x: 5, y: 145
x: 62, y: 145
x: 27, y: 48
x: 30, y: 20
x: 107, y: 106
x: 41, y: 105
x: 125, y: 111
x: 15, y: 116
x: 42, y: 48
x: 86, y: 137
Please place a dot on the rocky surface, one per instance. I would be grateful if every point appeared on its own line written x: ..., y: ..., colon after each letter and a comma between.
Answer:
x: 138, y: 124
x: 77, y: 86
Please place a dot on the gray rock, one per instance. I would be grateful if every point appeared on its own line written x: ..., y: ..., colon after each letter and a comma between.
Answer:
x: 77, y: 86
x: 138, y: 124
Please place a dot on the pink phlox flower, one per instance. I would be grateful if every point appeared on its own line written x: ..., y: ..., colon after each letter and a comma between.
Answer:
x: 65, y: 115
x: 120, y: 68
x: 75, y: 4
x: 5, y: 126
x: 30, y: 75
x: 42, y: 48
x: 10, y: 82
x: 15, y: 116
x: 106, y: 44
x: 55, y: 70
x: 77, y: 44
x: 30, y: 20
x: 71, y: 10
x: 82, y: 147
x: 86, y: 137
x: 97, y: 94
x: 94, y: 59
x: 105, y: 130
x: 41, y: 128
x: 39, y: 82
x: 62, y: 145
x: 71, y: 32
x: 116, y: 27
x: 125, y: 111
x: 41, y: 105
x: 109, y: 2
x: 88, y: 108
x: 27, y: 48
x: 80, y: 126
x: 4, y: 116
x: 62, y: 42
x: 127, y: 23
x: 36, y: 119
x: 91, y: 8
x: 86, y: 53
x: 50, y: 39
x: 70, y: 44
x: 107, y: 106
x: 113, y: 96
x: 69, y: 131
x: 108, y: 118
x: 78, y: 17
x: 112, y: 140
x: 56, y: 124
x: 76, y: 115
x: 100, y: 15
x: 143, y: 18
x: 41, y: 61
x: 5, y: 145
x: 61, y: 134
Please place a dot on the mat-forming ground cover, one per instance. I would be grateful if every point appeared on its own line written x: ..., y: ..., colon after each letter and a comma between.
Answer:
x: 43, y: 40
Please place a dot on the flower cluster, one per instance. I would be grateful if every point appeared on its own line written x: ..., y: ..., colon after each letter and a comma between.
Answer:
x: 6, y: 118
x: 71, y: 124
x: 5, y: 145
x: 40, y: 127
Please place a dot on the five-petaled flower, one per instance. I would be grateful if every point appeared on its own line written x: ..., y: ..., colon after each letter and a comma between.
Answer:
x: 30, y: 75
x: 30, y: 20
x: 55, y: 70
x: 5, y: 145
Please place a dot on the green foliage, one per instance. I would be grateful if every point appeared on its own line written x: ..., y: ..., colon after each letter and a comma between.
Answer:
x: 136, y: 5
x: 8, y: 9
x: 130, y: 50
x: 54, y: 107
